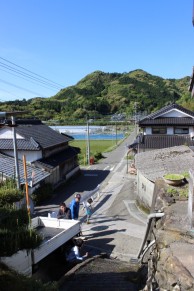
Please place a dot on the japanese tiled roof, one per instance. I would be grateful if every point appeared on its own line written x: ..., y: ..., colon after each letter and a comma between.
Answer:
x: 7, y: 168
x: 168, y: 121
x: 165, y: 141
x: 22, y: 144
x: 58, y: 159
x: 41, y: 134
x: 156, y: 163
x: 156, y: 117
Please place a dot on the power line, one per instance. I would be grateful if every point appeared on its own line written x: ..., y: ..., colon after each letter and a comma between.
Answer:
x: 9, y: 68
x: 32, y: 72
x: 19, y: 87
x: 26, y: 79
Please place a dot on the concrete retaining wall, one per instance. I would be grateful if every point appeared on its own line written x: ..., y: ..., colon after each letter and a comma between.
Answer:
x: 145, y: 190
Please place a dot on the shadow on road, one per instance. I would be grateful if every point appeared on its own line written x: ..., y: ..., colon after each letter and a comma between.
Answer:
x: 87, y: 180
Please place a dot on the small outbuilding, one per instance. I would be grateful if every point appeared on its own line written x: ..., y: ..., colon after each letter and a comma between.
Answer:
x: 154, y: 164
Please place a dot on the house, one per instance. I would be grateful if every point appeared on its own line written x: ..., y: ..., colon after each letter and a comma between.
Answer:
x: 173, y: 125
x: 46, y: 151
x: 154, y: 164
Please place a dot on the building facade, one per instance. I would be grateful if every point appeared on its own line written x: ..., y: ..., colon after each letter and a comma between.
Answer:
x: 46, y: 151
x: 173, y: 125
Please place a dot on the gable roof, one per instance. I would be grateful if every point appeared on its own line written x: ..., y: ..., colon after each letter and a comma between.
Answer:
x: 36, y: 135
x: 22, y: 144
x: 162, y: 111
x: 167, y: 121
x: 42, y: 134
x: 7, y: 168
x: 155, y: 164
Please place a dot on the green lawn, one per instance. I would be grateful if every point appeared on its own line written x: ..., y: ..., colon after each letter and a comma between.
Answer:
x: 99, y: 146
x: 96, y: 146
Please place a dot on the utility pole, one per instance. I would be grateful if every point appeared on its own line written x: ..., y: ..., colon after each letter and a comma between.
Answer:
x: 116, y: 131
x: 88, y: 143
x: 13, y: 125
x: 15, y: 153
x: 135, y: 110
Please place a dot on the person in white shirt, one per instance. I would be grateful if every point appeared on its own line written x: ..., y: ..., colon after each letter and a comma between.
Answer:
x: 74, y: 254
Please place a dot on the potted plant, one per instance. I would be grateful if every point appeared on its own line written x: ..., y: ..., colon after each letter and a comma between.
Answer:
x: 173, y: 179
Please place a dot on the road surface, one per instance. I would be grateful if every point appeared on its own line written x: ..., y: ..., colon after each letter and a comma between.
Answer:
x: 117, y: 227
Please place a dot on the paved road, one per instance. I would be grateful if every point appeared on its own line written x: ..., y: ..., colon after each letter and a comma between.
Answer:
x: 117, y: 227
x: 90, y: 177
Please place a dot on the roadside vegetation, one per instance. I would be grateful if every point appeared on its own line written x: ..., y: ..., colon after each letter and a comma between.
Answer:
x: 181, y: 191
x: 98, y: 147
x: 16, y: 234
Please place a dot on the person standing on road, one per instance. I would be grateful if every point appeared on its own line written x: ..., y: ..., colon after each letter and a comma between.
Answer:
x: 88, y: 208
x: 74, y: 206
x: 64, y: 212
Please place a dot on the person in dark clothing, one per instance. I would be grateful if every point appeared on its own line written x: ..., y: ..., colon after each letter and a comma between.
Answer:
x: 64, y: 212
x: 74, y: 206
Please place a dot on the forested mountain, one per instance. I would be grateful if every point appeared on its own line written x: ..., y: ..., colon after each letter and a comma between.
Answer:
x: 101, y: 94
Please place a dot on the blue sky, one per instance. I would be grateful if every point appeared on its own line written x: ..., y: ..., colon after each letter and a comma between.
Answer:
x: 64, y: 40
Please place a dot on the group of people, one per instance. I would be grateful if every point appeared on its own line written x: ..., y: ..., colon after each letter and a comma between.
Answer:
x: 72, y: 212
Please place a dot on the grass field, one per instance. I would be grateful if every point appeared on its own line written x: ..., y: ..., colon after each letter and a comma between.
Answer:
x: 96, y: 147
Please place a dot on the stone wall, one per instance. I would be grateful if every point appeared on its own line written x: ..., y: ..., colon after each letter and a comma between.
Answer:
x: 171, y: 260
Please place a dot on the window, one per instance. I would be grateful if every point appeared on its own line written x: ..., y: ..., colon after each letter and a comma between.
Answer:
x: 159, y: 130
x: 181, y: 130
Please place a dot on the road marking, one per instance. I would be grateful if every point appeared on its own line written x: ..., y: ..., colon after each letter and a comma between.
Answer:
x: 111, y: 169
x: 106, y: 168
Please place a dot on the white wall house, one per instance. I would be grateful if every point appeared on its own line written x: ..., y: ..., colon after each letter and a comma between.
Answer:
x: 172, y: 125
x: 45, y: 150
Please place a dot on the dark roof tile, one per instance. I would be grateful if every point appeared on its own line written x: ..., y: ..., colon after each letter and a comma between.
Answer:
x: 167, y: 109
x: 7, y: 168
x: 167, y: 121
x: 22, y: 144
x: 42, y: 134
x: 165, y: 141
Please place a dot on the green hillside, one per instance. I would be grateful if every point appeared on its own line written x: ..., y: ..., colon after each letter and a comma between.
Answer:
x: 100, y: 94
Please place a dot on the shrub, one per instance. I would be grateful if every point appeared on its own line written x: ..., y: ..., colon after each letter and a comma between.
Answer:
x: 12, y: 219
x: 98, y: 156
x: 21, y: 239
x: 9, y: 196
x: 9, y: 192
